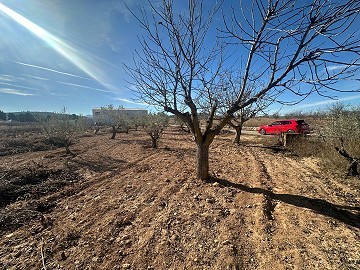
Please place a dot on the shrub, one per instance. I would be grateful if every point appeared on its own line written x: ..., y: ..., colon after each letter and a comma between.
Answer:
x: 61, y: 128
x: 155, y: 124
x: 337, y: 143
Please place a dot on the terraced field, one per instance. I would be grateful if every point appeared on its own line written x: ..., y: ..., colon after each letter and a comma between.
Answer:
x: 118, y: 204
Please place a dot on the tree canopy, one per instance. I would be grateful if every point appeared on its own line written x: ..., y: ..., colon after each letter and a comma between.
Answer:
x: 279, y: 46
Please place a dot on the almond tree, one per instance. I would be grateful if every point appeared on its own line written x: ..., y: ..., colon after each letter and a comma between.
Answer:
x: 231, y: 84
x: 138, y: 121
x: 115, y: 118
x: 182, y: 125
x: 242, y: 116
x: 61, y: 128
x: 293, y: 47
x: 154, y: 126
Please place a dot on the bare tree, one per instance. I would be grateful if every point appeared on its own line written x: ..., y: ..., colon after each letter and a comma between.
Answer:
x: 177, y: 71
x: 284, y: 43
x: 182, y: 125
x: 154, y: 126
x: 242, y: 116
x: 231, y: 83
x: 115, y: 118
x: 61, y: 128
x: 295, y: 114
x: 138, y: 121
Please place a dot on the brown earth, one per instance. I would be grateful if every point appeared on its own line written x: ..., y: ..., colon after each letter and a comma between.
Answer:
x: 118, y: 204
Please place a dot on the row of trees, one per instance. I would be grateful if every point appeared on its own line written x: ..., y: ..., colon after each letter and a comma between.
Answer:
x: 262, y: 50
x: 341, y: 130
x: 118, y: 120
x: 61, y: 128
x: 27, y: 116
x: 20, y: 117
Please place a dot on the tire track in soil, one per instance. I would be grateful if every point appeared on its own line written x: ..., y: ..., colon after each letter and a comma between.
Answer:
x: 304, y: 232
x: 266, y: 183
x: 289, y: 246
x: 267, y: 223
x: 285, y: 247
x: 256, y: 206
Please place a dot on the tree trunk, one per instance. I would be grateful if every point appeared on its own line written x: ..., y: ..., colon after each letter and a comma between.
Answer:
x: 353, y: 162
x: 154, y: 142
x: 184, y: 128
x: 238, y: 130
x: 353, y: 168
x: 67, y: 146
x: 202, y: 158
x: 96, y: 130
x: 113, y: 132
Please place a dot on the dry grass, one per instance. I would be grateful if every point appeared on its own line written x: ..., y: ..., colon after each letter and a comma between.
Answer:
x: 259, y: 121
x: 331, y: 160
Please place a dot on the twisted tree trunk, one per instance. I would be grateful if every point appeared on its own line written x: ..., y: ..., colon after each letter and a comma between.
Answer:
x: 353, y: 162
x: 238, y: 130
x: 113, y: 135
x: 238, y: 125
x: 154, y: 142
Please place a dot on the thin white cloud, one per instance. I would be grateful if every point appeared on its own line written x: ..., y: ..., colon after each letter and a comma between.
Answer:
x: 14, y: 92
x: 51, y: 70
x: 123, y: 10
x: 86, y: 87
x: 7, y: 78
x: 335, y: 67
x: 57, y: 94
x: 36, y: 77
x: 329, y: 101
x: 131, y: 102
x: 19, y: 86
x: 321, y: 103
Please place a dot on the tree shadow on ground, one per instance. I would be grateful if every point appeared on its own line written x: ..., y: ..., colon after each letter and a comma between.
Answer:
x: 142, y: 142
x: 342, y: 213
x: 180, y: 138
x: 275, y: 148
x: 180, y: 150
x: 100, y: 164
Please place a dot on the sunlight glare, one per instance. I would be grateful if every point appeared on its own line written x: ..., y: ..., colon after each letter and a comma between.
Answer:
x: 81, y: 60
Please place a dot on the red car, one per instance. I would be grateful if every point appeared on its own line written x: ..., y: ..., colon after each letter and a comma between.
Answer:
x: 281, y: 126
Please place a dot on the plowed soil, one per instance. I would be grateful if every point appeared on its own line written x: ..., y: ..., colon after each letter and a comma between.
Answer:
x: 119, y: 204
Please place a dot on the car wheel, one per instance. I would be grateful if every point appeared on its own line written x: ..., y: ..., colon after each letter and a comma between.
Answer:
x: 290, y: 131
x: 262, y: 131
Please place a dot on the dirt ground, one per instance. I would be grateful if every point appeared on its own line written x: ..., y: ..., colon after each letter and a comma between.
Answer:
x: 118, y: 204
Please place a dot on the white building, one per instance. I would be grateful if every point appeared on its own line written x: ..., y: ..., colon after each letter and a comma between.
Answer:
x: 99, y: 114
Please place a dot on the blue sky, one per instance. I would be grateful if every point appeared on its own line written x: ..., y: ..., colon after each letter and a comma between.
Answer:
x: 56, y: 53
x: 65, y: 53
